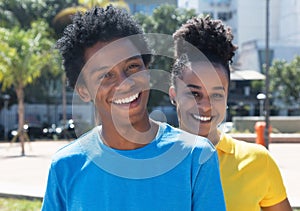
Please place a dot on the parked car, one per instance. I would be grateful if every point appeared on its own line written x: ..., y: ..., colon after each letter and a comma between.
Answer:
x: 67, y: 130
x: 2, y: 131
x: 226, y: 127
x: 50, y: 132
x: 61, y: 130
x: 165, y: 114
x: 33, y: 131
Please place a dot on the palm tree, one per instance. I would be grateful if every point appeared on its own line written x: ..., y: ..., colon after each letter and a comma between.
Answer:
x: 24, y: 54
x: 64, y: 17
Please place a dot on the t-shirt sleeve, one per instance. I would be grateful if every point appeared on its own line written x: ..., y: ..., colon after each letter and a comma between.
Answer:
x: 276, y: 191
x: 207, y: 191
x: 53, y: 199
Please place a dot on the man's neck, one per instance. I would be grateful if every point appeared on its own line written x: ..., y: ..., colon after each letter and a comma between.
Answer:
x: 130, y: 137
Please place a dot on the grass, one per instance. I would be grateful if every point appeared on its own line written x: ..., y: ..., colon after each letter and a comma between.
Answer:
x: 12, y: 204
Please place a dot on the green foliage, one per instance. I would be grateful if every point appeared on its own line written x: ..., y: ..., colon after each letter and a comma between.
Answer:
x: 23, y: 12
x: 25, y: 54
x: 285, y: 80
x: 10, y: 204
x: 166, y: 19
x: 104, y: 3
x: 257, y: 86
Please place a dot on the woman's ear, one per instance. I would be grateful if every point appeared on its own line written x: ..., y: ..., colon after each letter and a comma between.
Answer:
x: 84, y: 93
x: 172, y: 95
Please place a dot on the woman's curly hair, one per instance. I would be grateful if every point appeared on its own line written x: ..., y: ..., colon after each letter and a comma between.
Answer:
x: 97, y: 24
x: 211, y: 37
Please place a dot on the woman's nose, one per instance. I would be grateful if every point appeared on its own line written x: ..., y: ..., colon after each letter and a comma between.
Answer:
x: 204, y: 104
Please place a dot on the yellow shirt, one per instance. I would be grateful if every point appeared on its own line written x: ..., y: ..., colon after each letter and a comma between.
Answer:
x: 250, y: 177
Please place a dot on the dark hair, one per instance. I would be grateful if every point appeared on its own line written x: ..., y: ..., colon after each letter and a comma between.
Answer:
x: 97, y: 24
x: 211, y: 37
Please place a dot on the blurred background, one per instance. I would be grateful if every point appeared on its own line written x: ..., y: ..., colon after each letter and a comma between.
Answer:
x: 34, y: 92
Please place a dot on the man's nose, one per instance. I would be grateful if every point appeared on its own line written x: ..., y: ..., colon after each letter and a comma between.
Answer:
x: 124, y: 81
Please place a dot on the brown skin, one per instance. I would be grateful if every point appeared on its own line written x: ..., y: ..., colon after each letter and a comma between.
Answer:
x: 117, y: 81
x: 203, y: 92
x: 282, y: 206
x: 202, y: 97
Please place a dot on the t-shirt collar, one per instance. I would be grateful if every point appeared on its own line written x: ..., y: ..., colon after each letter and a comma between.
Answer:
x: 226, y: 144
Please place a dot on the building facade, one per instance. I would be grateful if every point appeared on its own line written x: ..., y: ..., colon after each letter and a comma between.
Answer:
x: 147, y: 6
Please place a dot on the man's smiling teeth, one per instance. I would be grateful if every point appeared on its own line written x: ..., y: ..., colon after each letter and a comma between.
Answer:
x: 127, y: 99
x: 202, y: 118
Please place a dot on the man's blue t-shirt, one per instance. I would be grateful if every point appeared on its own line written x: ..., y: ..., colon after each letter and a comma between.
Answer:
x: 176, y: 171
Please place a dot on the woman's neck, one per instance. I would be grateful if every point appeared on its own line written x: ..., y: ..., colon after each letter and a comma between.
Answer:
x: 214, y: 137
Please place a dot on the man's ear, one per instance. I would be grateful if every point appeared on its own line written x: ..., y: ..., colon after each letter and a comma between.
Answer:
x: 83, y: 92
x: 172, y: 95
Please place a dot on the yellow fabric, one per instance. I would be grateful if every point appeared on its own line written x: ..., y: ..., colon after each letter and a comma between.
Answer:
x: 250, y: 177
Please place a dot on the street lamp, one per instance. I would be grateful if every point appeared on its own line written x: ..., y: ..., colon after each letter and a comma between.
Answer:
x: 261, y: 98
x: 6, y: 98
x: 267, y: 82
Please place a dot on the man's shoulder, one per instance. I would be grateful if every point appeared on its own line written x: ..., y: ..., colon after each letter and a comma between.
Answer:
x: 186, y: 138
x: 198, y: 147
x: 74, y: 148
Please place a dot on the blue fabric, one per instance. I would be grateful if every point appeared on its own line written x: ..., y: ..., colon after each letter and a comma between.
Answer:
x: 176, y: 171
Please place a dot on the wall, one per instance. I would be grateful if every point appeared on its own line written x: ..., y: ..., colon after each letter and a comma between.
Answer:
x: 280, y: 124
x: 40, y: 113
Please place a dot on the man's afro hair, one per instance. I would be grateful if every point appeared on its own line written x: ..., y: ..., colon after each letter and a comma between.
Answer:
x: 97, y: 24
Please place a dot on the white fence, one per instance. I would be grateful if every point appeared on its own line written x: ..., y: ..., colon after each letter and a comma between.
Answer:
x: 46, y: 114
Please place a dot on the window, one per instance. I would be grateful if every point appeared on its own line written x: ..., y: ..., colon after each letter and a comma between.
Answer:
x: 225, y: 16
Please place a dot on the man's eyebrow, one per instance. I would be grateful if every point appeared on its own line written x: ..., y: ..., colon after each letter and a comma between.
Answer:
x: 105, y: 67
x: 200, y: 87
x: 97, y: 69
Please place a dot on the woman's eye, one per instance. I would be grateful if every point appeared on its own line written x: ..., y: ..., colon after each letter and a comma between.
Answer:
x: 218, y: 96
x: 193, y: 94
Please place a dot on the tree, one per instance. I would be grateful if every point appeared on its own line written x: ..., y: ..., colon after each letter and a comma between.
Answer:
x: 24, y: 55
x: 64, y: 17
x: 285, y: 81
x: 166, y: 19
x: 24, y: 12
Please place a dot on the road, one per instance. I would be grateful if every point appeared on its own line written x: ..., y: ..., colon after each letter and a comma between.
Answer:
x: 27, y: 175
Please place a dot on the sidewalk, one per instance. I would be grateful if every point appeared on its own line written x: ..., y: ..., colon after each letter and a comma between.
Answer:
x: 26, y: 176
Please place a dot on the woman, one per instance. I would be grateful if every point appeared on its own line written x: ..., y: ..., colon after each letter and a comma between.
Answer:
x: 200, y: 80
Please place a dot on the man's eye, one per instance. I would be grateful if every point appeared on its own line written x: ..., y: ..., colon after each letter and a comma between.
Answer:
x: 133, y: 66
x: 105, y: 75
